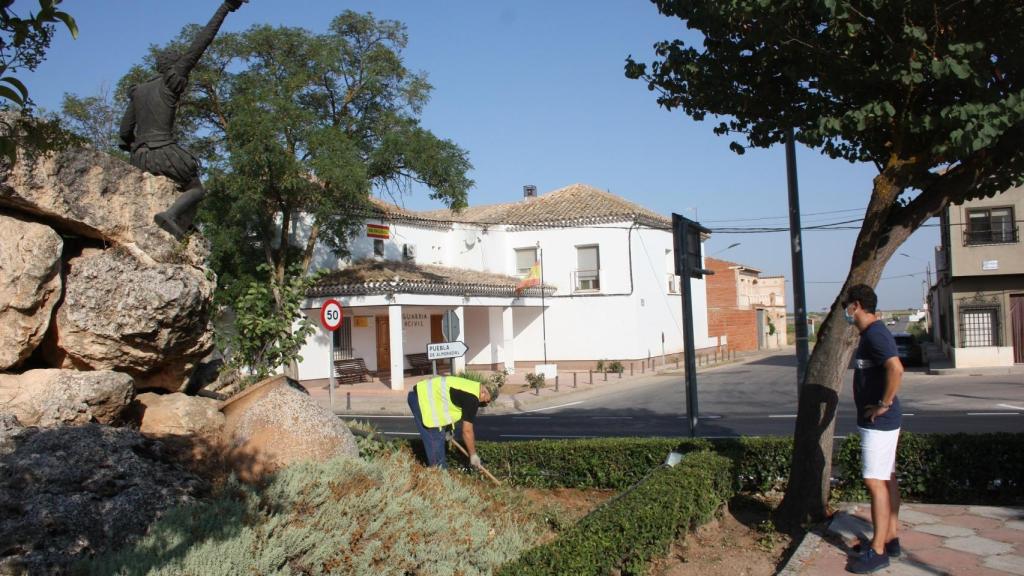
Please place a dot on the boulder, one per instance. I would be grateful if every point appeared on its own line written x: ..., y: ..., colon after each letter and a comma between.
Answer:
x: 74, y: 491
x: 179, y: 415
x: 30, y: 286
x: 149, y: 320
x: 93, y: 194
x: 275, y: 423
x: 59, y: 397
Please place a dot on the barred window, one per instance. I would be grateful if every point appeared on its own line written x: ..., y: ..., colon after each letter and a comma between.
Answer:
x: 342, y: 340
x: 979, y: 326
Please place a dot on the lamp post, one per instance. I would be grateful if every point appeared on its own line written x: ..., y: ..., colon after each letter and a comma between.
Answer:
x: 730, y: 246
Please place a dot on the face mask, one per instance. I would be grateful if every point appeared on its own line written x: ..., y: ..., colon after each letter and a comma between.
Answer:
x: 848, y: 316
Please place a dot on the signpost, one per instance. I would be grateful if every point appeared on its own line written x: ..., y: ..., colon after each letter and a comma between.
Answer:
x: 686, y: 244
x: 450, y: 329
x: 331, y: 315
x: 443, y: 350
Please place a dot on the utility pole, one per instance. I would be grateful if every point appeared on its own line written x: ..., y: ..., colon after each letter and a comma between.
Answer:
x: 796, y: 245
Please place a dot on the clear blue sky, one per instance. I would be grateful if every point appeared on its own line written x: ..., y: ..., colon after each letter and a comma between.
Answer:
x: 535, y: 91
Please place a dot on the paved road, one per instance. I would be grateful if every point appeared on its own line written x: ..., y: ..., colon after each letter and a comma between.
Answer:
x: 755, y: 398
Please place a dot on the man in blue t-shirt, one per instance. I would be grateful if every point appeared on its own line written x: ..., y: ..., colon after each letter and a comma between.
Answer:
x: 877, y: 377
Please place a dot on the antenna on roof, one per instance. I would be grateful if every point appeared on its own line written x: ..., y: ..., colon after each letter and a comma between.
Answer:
x: 529, y: 191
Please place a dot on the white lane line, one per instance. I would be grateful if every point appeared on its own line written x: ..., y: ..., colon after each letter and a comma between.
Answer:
x: 1011, y: 406
x: 371, y: 416
x: 403, y: 433
x: 531, y: 417
x: 612, y: 417
x: 993, y: 413
x: 539, y: 436
x: 910, y: 414
x: 782, y: 415
x: 552, y: 407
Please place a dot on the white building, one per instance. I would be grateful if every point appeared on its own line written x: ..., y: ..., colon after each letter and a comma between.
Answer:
x: 609, y: 288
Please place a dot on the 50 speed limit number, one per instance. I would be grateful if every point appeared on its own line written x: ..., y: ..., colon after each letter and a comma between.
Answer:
x: 331, y: 315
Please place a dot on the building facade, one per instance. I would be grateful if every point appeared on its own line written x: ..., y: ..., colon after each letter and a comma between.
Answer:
x: 745, y: 310
x: 977, y: 303
x: 609, y: 291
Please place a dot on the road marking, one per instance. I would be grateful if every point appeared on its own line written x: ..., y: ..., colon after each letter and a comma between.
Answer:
x: 539, y: 436
x: 1010, y: 406
x: 403, y: 433
x: 612, y: 417
x: 531, y: 417
x: 782, y: 415
x: 553, y: 407
x: 710, y: 417
x: 993, y: 413
x: 910, y: 414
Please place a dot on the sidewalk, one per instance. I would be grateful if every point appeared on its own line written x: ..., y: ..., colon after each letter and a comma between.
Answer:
x: 939, y: 365
x: 936, y: 539
x: 377, y: 399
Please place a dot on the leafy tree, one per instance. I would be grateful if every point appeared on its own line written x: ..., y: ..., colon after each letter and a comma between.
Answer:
x: 23, y: 46
x: 931, y: 92
x: 94, y: 118
x: 297, y: 129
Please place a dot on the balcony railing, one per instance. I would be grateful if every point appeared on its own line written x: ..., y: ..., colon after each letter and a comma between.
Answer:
x: 586, y: 280
x: 998, y: 236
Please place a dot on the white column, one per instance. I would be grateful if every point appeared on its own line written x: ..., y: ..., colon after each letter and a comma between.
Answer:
x: 495, y: 335
x: 459, y: 364
x: 397, y: 349
x: 508, y: 340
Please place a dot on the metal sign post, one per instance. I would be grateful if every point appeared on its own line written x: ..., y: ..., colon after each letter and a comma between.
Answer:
x: 450, y: 329
x: 686, y: 244
x: 331, y: 315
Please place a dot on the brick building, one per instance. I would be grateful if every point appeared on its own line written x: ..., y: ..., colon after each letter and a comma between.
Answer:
x: 745, y: 310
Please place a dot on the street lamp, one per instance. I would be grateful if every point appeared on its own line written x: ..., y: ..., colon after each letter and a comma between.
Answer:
x: 733, y: 245
x: 927, y: 266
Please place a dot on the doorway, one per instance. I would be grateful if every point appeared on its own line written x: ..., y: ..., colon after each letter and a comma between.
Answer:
x: 383, y: 346
x: 436, y: 334
x: 1017, y: 326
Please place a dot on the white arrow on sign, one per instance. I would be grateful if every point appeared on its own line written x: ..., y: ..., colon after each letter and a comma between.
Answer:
x: 444, y: 350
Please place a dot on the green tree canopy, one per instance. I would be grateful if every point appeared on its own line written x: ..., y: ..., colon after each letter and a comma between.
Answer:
x: 929, y: 91
x: 296, y: 130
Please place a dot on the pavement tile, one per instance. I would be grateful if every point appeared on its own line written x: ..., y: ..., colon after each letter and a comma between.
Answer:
x: 973, y: 521
x: 1007, y: 535
x: 1006, y: 562
x: 944, y: 530
x: 849, y: 527
x: 935, y: 509
x: 904, y: 568
x: 978, y: 545
x: 914, y: 540
x: 1001, y: 513
x: 944, y: 560
x: 913, y: 516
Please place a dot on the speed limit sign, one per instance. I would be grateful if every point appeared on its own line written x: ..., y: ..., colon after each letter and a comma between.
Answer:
x: 331, y: 315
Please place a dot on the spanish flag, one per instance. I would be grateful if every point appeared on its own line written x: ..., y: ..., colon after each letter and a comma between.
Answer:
x: 378, y: 231
x: 532, y: 279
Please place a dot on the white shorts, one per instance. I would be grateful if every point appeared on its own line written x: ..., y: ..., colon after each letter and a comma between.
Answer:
x: 878, y: 452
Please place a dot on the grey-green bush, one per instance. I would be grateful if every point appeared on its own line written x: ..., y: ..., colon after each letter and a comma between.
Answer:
x: 345, y: 516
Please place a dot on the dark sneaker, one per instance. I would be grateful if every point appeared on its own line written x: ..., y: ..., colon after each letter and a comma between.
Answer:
x: 892, y: 548
x: 868, y: 562
x: 169, y: 226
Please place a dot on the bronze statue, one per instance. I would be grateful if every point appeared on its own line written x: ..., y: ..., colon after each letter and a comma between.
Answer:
x: 147, y: 128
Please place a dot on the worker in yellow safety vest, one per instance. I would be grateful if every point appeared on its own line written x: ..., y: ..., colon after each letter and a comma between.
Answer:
x: 437, y: 404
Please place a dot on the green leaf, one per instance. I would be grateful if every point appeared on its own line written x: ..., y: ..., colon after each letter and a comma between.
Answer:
x: 11, y: 95
x: 68, y: 21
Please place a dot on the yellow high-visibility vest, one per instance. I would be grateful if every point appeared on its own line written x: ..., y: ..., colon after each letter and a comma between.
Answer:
x: 435, y: 400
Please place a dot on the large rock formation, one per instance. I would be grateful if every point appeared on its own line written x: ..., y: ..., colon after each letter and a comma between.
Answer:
x: 134, y: 299
x: 74, y: 491
x: 58, y: 397
x: 150, y: 321
x: 88, y: 193
x: 30, y: 286
x: 179, y: 415
x: 273, y: 424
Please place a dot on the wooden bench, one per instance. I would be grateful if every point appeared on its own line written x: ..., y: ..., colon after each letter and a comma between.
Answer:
x: 419, y: 363
x: 350, y: 371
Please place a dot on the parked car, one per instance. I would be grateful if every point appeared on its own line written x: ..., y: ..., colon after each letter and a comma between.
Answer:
x: 908, y: 348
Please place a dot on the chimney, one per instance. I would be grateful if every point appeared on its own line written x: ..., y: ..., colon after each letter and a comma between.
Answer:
x: 529, y: 191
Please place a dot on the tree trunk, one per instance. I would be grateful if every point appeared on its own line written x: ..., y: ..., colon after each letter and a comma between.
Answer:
x: 806, y: 499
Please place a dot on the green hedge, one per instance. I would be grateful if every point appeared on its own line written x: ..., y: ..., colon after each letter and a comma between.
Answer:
x: 627, y: 531
x: 946, y: 468
x: 617, y: 463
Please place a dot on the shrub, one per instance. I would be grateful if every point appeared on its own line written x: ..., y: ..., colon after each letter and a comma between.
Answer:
x: 616, y: 367
x: 536, y: 381
x: 474, y: 376
x: 960, y: 468
x: 345, y: 516
x: 601, y: 365
x: 624, y: 533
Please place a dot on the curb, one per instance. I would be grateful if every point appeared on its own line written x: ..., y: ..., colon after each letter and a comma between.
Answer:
x: 804, y: 552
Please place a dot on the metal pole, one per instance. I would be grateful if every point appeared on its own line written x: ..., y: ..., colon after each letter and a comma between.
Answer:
x: 796, y: 244
x: 691, y: 354
x: 543, y: 319
x: 330, y: 368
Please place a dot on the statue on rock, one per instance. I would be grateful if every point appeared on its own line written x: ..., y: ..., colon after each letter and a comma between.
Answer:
x: 147, y: 128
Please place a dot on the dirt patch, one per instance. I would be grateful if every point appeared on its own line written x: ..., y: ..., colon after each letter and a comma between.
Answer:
x: 560, y: 508
x: 741, y: 542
